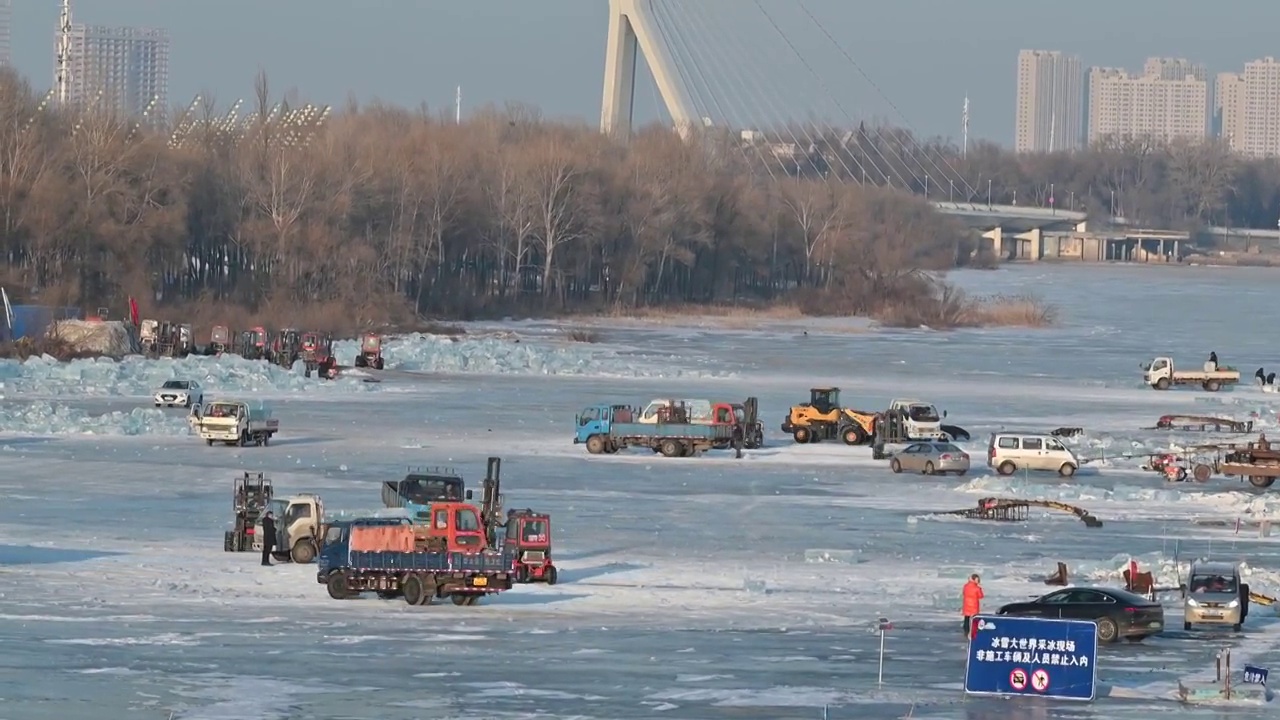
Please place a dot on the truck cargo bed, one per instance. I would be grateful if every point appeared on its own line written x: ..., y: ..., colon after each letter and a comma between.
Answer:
x: 679, y: 431
x: 431, y: 561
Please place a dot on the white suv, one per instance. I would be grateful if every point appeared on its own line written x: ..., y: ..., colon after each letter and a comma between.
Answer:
x: 1010, y: 451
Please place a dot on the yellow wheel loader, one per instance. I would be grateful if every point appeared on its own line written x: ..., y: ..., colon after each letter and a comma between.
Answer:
x: 822, y: 418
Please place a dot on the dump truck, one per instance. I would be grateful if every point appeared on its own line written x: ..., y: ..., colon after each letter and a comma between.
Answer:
x: 823, y: 418
x: 610, y: 428
x: 382, y: 555
x: 235, y: 422
x: 1161, y: 374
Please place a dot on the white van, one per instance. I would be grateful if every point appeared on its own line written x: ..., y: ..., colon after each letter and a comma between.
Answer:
x: 1009, y: 452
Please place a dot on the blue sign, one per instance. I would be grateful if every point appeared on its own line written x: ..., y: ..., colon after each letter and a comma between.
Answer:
x: 1032, y: 656
x: 1255, y: 675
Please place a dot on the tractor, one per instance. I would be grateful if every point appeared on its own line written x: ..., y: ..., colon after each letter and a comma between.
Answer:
x: 220, y: 340
x: 317, y: 353
x: 252, y: 344
x: 370, y: 352
x: 822, y: 418
x: 284, y: 348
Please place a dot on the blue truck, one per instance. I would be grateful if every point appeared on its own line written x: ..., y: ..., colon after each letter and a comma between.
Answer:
x: 423, y: 487
x: 610, y: 428
x: 346, y: 569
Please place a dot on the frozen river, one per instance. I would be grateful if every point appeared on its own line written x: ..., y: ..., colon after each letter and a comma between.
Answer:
x: 685, y: 591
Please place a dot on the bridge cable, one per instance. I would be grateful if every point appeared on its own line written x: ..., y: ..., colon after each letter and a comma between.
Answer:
x: 685, y: 79
x: 955, y: 174
x: 745, y: 155
x: 812, y: 72
x: 701, y: 21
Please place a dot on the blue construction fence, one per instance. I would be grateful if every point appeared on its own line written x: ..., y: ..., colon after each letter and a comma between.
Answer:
x: 33, y: 320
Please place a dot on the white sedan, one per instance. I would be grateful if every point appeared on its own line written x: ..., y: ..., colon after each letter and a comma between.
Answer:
x: 183, y: 393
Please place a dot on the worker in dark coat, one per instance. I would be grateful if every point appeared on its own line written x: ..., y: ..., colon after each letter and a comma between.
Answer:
x: 1213, y: 358
x: 268, y: 536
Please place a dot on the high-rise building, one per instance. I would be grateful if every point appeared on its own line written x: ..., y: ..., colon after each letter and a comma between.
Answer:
x: 1228, y: 108
x: 1258, y: 109
x: 1169, y: 101
x: 1049, y: 115
x: 125, y: 68
x: 6, y: 22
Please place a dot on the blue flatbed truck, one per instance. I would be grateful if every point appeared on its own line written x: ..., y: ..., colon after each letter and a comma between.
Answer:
x: 418, y: 577
x: 598, y: 428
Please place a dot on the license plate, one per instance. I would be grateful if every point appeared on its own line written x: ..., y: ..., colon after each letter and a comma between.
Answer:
x: 1214, y: 615
x: 480, y: 581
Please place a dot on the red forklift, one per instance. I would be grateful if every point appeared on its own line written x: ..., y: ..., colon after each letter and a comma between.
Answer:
x: 530, y: 533
x: 316, y: 350
x: 370, y: 351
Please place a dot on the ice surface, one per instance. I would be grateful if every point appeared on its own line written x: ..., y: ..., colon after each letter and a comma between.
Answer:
x: 705, y: 587
x: 510, y: 354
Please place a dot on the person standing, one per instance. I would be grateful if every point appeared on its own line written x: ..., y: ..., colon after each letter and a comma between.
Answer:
x: 972, y: 600
x: 268, y: 536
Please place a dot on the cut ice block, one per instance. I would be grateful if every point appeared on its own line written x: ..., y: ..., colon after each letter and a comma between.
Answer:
x: 758, y: 587
x: 829, y: 556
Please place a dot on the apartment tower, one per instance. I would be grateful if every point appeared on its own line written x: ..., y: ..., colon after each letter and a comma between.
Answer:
x: 1049, y: 114
x: 6, y: 23
x: 124, y: 68
x: 1249, y: 108
x: 1169, y: 101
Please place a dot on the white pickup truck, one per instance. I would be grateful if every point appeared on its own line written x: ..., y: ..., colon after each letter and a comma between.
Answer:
x: 236, y: 422
x: 1161, y: 375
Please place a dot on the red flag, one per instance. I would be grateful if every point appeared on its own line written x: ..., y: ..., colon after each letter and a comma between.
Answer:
x: 133, y: 311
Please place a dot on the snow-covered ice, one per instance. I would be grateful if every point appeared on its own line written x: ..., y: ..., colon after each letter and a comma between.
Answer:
x: 691, y: 588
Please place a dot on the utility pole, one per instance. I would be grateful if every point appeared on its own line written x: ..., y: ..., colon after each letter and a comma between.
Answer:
x: 457, y: 107
x: 63, y: 78
x: 964, y: 149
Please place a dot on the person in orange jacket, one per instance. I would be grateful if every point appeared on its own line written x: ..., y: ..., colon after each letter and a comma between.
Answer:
x: 972, y: 600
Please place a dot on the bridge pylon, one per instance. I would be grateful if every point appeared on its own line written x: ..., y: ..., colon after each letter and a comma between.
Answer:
x: 633, y: 29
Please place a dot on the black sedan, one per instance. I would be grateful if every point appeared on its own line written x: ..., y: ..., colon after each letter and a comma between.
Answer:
x: 1118, y: 613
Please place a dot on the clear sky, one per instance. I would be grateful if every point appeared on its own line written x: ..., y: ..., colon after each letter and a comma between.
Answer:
x: 923, y: 55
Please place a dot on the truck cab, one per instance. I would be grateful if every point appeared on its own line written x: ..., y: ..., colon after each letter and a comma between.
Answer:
x: 921, y: 420
x: 1158, y: 369
x: 299, y: 527
x: 599, y: 420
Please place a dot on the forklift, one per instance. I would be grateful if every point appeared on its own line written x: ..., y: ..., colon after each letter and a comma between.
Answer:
x: 252, y: 493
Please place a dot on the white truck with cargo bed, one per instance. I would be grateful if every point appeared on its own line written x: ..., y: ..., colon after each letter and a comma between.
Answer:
x: 236, y: 422
x: 1161, y: 374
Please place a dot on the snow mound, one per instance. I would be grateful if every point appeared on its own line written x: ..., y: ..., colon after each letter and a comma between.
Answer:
x: 107, y: 338
x: 997, y: 486
x: 42, y: 418
x: 513, y: 356
x: 137, y: 376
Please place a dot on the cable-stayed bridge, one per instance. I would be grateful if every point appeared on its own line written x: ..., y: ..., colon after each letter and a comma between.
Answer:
x: 764, y: 69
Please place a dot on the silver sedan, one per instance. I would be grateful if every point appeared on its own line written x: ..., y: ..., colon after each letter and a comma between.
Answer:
x: 931, y: 458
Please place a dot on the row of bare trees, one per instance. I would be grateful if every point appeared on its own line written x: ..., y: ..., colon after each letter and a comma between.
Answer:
x: 1183, y: 185
x: 385, y: 210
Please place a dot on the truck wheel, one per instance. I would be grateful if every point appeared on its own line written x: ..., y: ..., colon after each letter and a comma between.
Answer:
x: 550, y: 575
x: 229, y: 541
x: 1067, y: 470
x: 595, y: 444
x: 670, y: 448
x: 1007, y: 468
x: 1259, y: 481
x: 1162, y: 384
x: 852, y: 436
x: 378, y: 364
x: 303, y: 552
x: 801, y: 435
x: 362, y: 361
x: 266, y: 439
x: 415, y: 590
x: 1212, y: 386
x: 1202, y: 473
x: 209, y: 443
x: 337, y: 586
x: 895, y: 466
